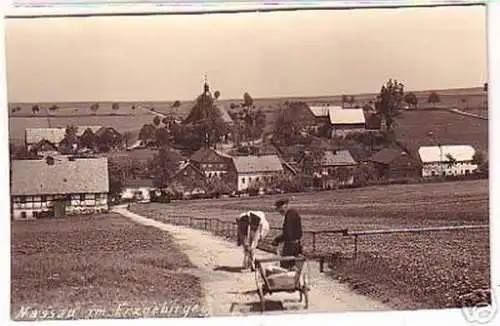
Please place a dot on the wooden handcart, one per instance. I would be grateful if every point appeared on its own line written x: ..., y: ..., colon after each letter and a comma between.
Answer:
x: 296, y: 280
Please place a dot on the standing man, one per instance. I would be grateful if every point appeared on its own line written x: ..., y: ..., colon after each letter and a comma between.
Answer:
x: 291, y: 234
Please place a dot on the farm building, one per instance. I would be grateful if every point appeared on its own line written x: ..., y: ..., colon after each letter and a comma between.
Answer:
x: 188, y: 180
x: 344, y: 121
x: 138, y: 189
x: 340, y: 121
x: 44, y: 147
x: 212, y: 162
x: 395, y: 163
x: 58, y: 186
x: 447, y: 160
x: 334, y: 168
x: 253, y: 169
x: 52, y: 135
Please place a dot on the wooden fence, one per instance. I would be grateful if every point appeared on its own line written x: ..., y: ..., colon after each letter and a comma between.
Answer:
x: 228, y: 229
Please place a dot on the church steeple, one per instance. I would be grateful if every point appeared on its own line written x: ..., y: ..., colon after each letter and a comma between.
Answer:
x: 206, y: 88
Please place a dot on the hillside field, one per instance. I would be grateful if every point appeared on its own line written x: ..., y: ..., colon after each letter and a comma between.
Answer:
x: 92, y: 264
x: 454, y: 127
x: 428, y: 270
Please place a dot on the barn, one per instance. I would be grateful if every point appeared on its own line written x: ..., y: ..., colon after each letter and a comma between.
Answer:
x: 395, y: 163
x: 447, y: 160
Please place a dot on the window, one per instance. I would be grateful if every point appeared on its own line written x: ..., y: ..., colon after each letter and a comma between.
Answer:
x: 44, y: 198
x: 23, y: 214
x: 249, y: 179
x: 82, y: 197
x: 23, y: 199
x: 242, y: 180
x: 257, y: 179
x: 35, y: 214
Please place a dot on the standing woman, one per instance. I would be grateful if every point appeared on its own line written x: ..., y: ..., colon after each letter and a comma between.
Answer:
x: 252, y: 226
x: 291, y: 234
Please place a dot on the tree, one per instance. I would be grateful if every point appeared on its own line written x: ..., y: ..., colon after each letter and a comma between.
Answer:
x: 254, y: 124
x: 88, y: 139
x: 176, y: 104
x: 70, y: 140
x: 147, y: 133
x: 108, y: 140
x: 207, y: 120
x: 345, y: 99
x: 163, y: 166
x: 451, y: 161
x: 115, y: 106
x: 187, y: 137
x: 411, y: 99
x: 35, y: 109
x: 216, y: 95
x: 389, y: 101
x: 94, y: 107
x: 116, y: 175
x: 352, y: 100
x: 481, y: 160
x: 433, y: 98
x: 127, y: 138
x: 156, y: 121
x: 233, y: 106
x: 162, y: 136
x: 289, y: 124
x: 247, y: 100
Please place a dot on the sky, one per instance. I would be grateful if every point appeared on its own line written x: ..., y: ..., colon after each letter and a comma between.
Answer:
x: 301, y: 53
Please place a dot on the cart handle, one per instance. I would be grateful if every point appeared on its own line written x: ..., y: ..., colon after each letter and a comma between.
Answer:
x: 280, y: 259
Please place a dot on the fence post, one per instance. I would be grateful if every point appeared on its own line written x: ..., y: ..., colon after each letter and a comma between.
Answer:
x: 355, y: 247
x: 314, y: 242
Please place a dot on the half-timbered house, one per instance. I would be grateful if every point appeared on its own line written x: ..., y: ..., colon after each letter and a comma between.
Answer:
x: 58, y: 186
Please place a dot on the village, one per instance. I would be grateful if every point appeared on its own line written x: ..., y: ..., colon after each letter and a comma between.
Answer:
x: 216, y: 152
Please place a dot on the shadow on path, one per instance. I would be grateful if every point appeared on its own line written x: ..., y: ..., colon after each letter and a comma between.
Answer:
x: 230, y: 269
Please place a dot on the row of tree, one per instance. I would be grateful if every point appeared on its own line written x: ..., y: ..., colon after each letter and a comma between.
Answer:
x: 94, y: 107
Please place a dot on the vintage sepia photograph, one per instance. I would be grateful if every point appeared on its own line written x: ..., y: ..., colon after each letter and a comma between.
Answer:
x: 256, y: 163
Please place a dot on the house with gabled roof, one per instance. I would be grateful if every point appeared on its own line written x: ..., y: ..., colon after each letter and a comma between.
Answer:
x: 395, y: 163
x: 256, y: 170
x: 212, y: 162
x: 339, y: 120
x: 56, y: 186
x: 447, y: 160
x: 335, y: 168
x: 344, y: 121
x: 54, y: 136
x: 188, y: 179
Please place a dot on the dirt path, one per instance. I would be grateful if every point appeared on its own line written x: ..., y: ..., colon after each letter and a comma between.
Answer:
x: 468, y: 114
x: 228, y: 291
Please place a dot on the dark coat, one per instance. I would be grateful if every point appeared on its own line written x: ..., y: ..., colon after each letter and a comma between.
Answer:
x: 292, y: 227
